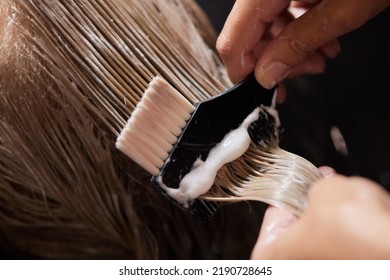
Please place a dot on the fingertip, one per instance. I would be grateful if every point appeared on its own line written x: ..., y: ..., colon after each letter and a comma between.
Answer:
x: 327, y: 171
x: 223, y: 45
x: 281, y: 93
x: 271, y: 73
x: 331, y: 49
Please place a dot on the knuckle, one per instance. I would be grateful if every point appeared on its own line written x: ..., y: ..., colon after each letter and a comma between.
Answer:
x: 223, y: 46
x: 299, y: 46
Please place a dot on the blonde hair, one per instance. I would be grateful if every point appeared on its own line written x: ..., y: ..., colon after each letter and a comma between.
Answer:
x: 71, y: 73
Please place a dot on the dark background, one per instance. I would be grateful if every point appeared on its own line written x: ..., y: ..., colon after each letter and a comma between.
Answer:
x: 353, y: 95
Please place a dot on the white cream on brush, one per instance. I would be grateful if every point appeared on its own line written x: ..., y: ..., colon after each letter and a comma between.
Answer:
x: 202, y: 175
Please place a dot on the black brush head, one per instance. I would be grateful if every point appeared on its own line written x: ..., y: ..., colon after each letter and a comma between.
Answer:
x: 210, y: 122
x: 265, y: 131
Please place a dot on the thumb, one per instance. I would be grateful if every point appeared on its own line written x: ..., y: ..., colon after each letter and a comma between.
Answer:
x: 323, y: 23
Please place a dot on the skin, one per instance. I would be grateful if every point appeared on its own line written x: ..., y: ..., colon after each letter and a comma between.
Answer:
x: 263, y: 35
x: 347, y: 218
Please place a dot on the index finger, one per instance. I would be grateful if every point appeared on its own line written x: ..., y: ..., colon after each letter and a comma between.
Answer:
x: 243, y: 29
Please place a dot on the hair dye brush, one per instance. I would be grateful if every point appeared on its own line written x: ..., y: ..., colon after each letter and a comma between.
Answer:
x: 184, y: 146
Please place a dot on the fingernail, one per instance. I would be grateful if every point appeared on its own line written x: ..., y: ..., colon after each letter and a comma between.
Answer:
x: 272, y: 73
x: 327, y: 171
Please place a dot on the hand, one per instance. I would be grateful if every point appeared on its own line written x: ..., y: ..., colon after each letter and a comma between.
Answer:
x: 263, y: 35
x: 346, y: 218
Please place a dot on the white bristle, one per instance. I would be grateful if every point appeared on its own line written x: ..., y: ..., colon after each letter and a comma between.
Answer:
x: 155, y: 125
x: 161, y: 130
